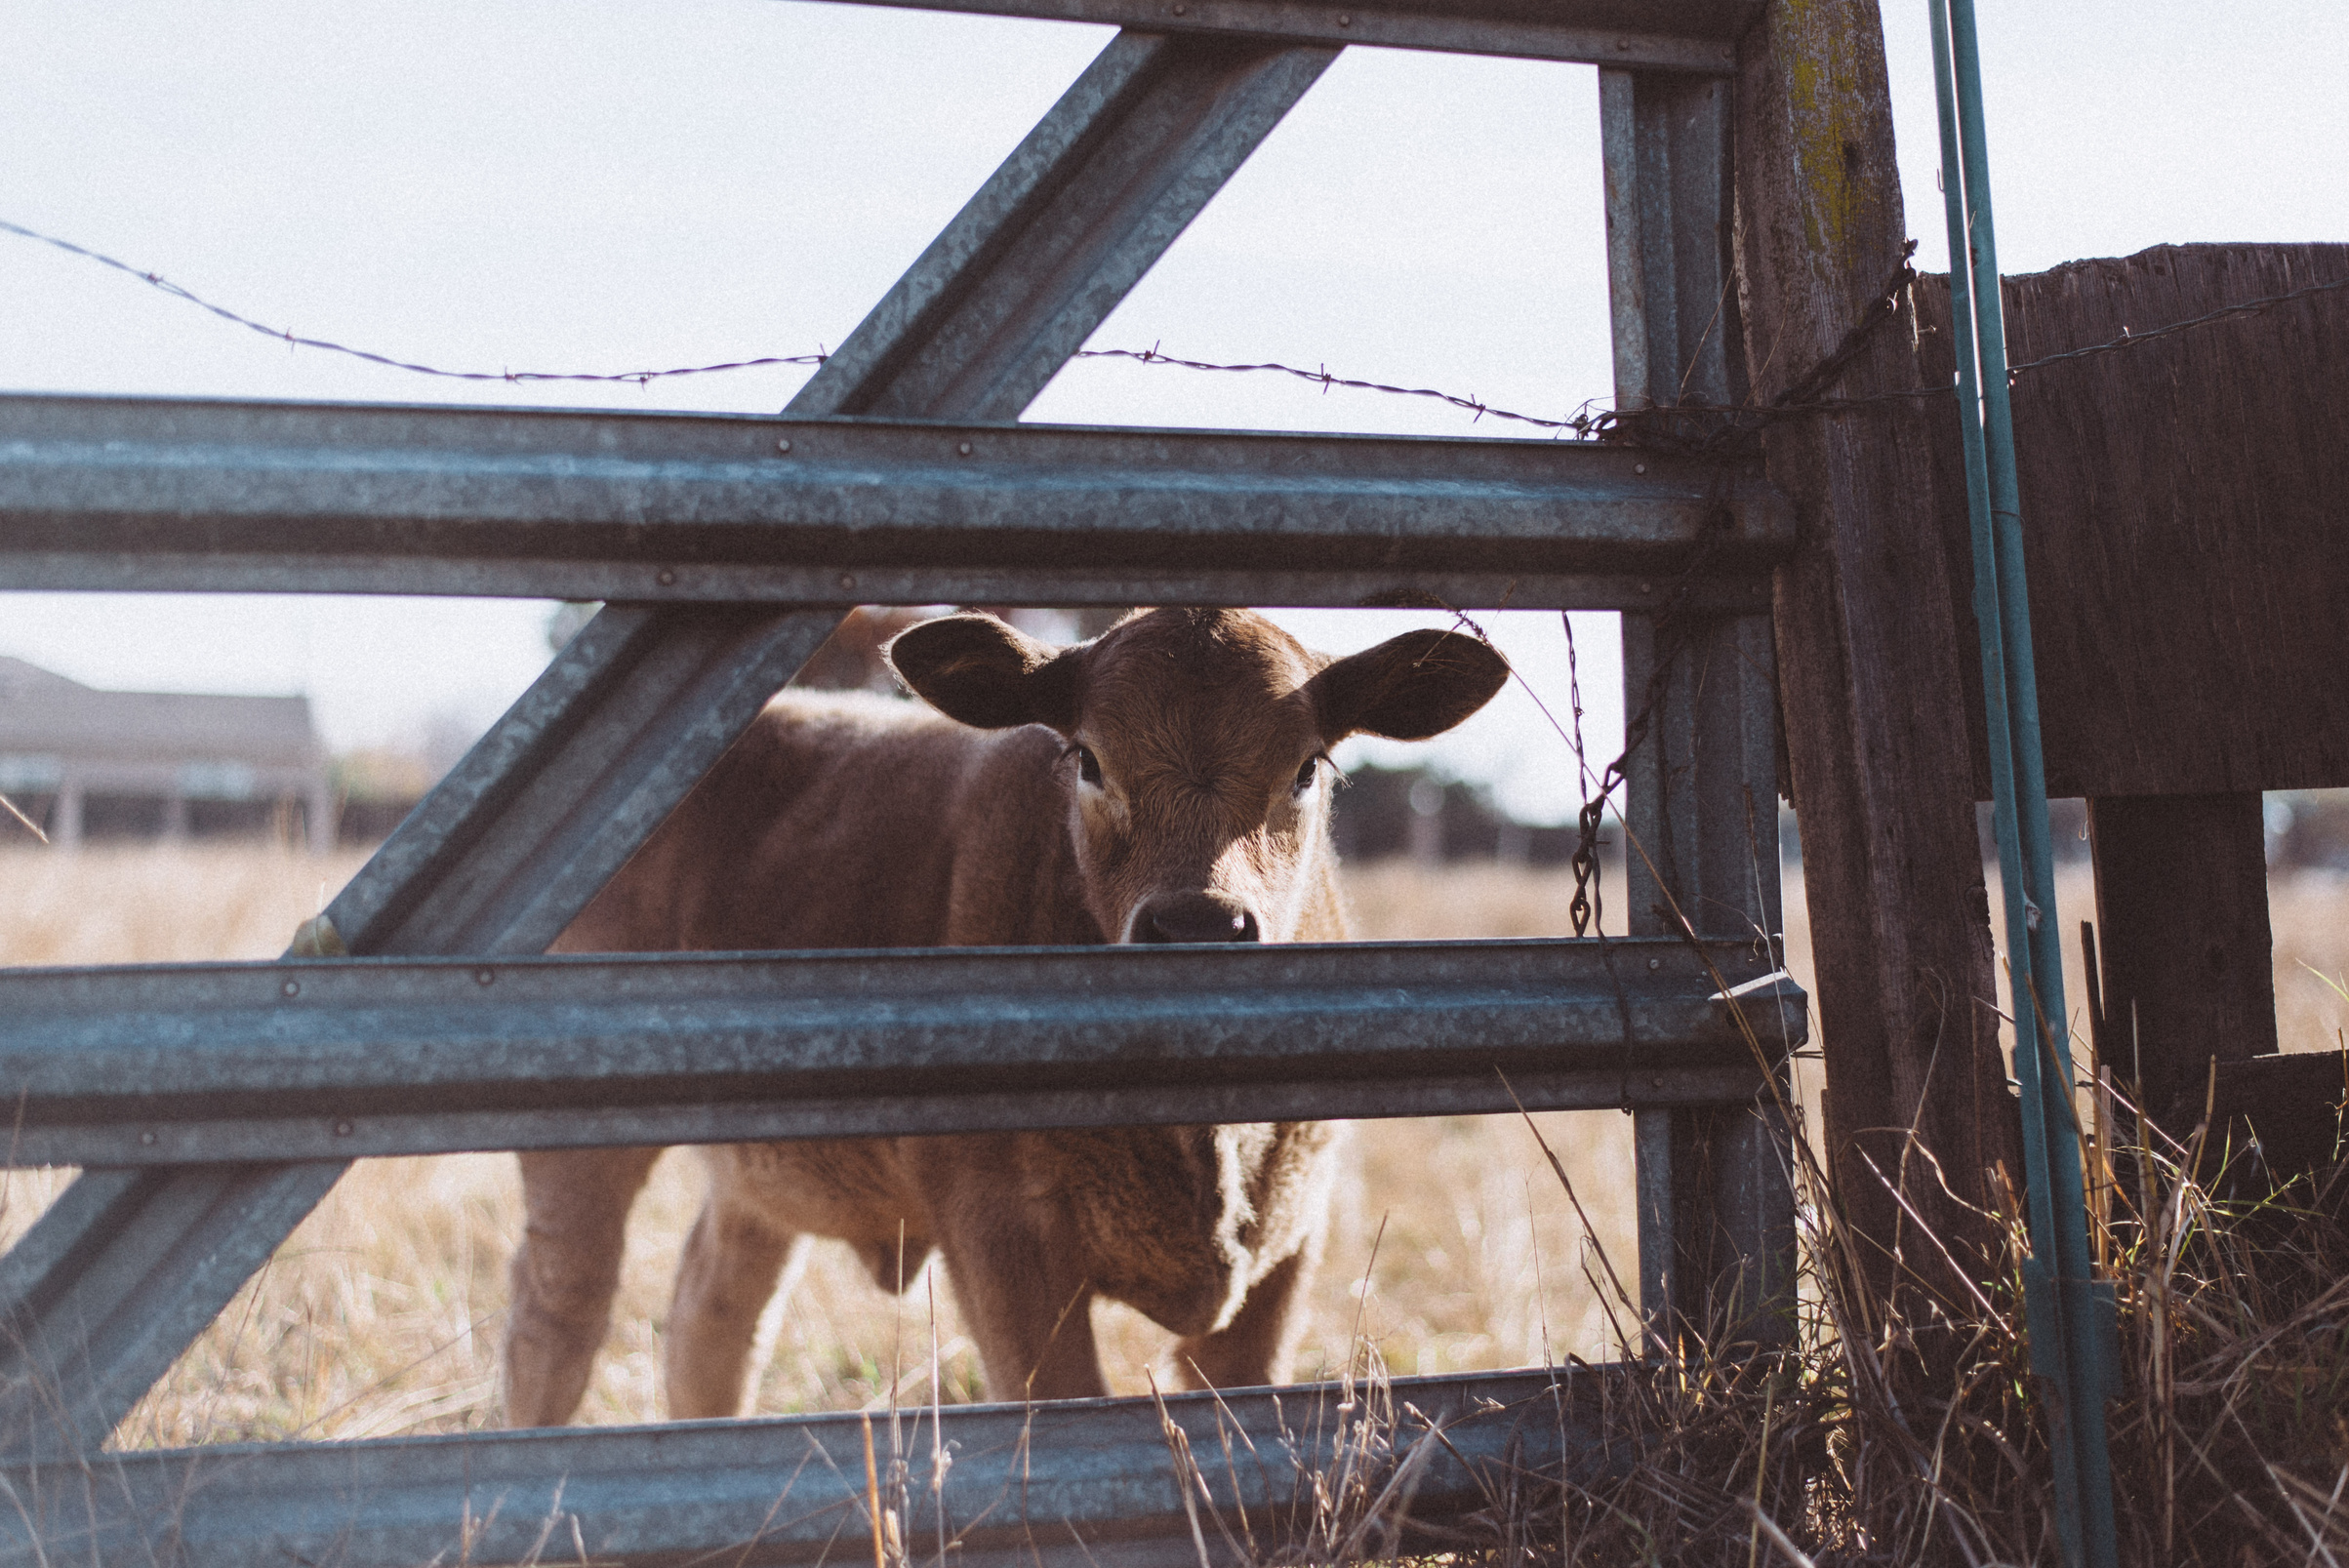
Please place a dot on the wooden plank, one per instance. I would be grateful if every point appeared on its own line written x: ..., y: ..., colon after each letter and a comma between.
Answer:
x: 2183, y: 941
x: 1870, y: 655
x: 2185, y: 513
x: 2293, y: 1105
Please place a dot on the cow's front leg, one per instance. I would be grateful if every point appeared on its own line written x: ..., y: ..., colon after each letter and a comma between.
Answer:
x: 733, y: 1259
x: 1027, y: 1301
x: 1256, y: 1348
x: 575, y: 1205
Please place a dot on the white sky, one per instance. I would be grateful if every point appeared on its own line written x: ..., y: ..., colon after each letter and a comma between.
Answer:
x: 608, y: 184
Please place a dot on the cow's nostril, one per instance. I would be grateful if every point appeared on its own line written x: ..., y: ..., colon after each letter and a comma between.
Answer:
x: 1196, y: 918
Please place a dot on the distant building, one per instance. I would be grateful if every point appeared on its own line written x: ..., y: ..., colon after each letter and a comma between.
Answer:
x: 90, y: 764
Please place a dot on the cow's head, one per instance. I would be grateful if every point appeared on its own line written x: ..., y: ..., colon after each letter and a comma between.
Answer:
x: 1196, y: 749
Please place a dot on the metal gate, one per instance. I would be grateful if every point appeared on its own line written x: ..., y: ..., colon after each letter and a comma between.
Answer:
x: 213, y: 1105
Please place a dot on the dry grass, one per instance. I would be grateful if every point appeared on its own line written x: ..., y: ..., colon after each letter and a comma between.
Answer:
x: 381, y: 1315
x: 139, y: 904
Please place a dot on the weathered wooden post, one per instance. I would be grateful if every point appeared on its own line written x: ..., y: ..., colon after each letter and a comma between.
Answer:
x: 2187, y: 955
x: 1870, y: 655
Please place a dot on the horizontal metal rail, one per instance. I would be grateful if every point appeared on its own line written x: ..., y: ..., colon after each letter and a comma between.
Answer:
x: 318, y: 1060
x: 1076, y: 1482
x: 1677, y: 35
x: 167, y: 495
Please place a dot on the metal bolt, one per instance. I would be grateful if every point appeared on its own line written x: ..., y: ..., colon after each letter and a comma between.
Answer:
x: 292, y: 988
x: 485, y: 977
x: 666, y: 576
x: 1623, y: 46
x: 147, y: 1137
x: 964, y: 448
x: 1645, y: 587
x: 1655, y: 963
x: 341, y: 1129
x: 1639, y: 467
x: 1181, y: 10
x: 784, y: 445
x: 848, y: 580
x: 1656, y: 1082
x: 1345, y: 20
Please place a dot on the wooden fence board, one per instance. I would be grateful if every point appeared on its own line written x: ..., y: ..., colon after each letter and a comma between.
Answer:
x: 2185, y: 513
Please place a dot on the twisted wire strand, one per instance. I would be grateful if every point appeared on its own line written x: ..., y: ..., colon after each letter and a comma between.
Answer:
x: 1586, y: 422
x: 2131, y: 339
x: 1583, y: 423
x: 158, y: 281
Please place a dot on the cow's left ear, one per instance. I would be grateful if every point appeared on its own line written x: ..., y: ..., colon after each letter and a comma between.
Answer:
x: 1407, y: 688
x: 975, y: 669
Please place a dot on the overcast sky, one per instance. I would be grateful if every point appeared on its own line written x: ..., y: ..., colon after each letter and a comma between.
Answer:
x: 612, y: 184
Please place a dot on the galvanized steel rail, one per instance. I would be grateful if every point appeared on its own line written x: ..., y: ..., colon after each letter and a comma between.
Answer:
x: 142, y: 494
x: 1687, y: 35
x: 324, y: 1060
x: 1089, y: 1480
x: 214, y: 1105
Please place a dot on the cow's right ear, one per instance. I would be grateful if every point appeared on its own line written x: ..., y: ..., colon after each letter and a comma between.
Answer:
x: 975, y: 669
x: 1407, y: 688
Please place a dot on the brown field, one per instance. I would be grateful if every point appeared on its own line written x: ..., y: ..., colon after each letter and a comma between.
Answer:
x: 381, y: 1314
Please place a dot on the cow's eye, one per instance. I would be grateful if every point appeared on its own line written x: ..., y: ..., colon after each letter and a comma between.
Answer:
x: 1088, y: 766
x: 1305, y: 774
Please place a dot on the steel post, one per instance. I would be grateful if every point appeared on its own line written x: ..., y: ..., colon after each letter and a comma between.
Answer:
x: 1701, y: 796
x: 2074, y: 1339
x: 1664, y: 142
x: 1701, y: 816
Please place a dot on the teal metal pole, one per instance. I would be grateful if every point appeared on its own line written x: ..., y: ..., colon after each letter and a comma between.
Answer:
x: 2070, y: 1316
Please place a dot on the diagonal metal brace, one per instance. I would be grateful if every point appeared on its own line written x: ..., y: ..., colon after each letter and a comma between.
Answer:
x: 119, y: 1276
x: 554, y: 800
x: 593, y: 757
x: 1064, y: 228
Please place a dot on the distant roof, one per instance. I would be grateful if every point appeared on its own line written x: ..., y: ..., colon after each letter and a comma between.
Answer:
x: 18, y: 679
x: 46, y: 713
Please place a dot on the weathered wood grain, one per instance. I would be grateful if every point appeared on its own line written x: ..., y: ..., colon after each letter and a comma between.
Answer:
x: 1870, y: 655
x: 2183, y: 938
x: 2185, y: 518
x: 2293, y: 1105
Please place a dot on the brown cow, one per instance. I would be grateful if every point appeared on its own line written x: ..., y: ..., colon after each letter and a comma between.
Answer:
x: 1163, y: 783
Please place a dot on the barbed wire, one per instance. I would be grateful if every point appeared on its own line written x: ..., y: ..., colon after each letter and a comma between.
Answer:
x: 1882, y: 309
x: 281, y: 334
x: 1583, y: 423
x: 1587, y: 423
x: 2131, y: 339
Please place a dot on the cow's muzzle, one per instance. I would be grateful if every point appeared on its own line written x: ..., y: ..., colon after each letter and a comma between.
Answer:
x: 1193, y: 917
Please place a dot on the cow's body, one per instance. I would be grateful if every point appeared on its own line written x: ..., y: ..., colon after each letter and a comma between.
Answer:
x: 1145, y: 788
